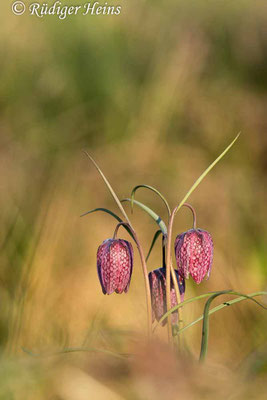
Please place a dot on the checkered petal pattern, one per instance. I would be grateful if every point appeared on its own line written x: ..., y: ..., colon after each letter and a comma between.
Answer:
x: 157, y: 281
x: 115, y: 265
x: 194, y: 254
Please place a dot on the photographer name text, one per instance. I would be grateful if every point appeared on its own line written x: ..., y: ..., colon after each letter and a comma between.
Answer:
x: 63, y: 11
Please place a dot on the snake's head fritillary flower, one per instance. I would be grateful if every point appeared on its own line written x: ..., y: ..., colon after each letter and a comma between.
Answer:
x: 194, y: 254
x: 114, y: 265
x: 157, y: 281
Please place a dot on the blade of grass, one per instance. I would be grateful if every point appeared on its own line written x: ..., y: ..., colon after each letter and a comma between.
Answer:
x: 153, y: 243
x: 139, y: 247
x: 113, y: 215
x: 153, y: 190
x: 73, y: 350
x: 151, y: 213
x: 171, y: 310
x: 205, y: 173
x: 104, y: 210
x: 220, y: 307
x: 115, y: 197
x: 202, y: 296
x: 170, y: 226
x: 205, y: 326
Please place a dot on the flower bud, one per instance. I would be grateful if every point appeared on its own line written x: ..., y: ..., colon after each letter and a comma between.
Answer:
x: 194, y: 254
x: 157, y: 281
x: 114, y: 265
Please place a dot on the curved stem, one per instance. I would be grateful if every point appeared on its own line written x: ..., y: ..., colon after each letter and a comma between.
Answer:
x: 151, y: 213
x: 193, y: 212
x: 124, y: 224
x: 192, y: 299
x: 220, y: 307
x: 110, y: 213
x: 148, y: 293
x: 141, y: 253
x: 145, y: 273
x: 205, y: 325
x: 174, y: 280
x: 169, y: 267
x: 164, y: 241
x: 153, y: 190
x: 168, y: 273
x: 178, y: 299
x: 202, y: 296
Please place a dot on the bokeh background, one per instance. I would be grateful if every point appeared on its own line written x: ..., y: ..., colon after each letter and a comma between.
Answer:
x: 154, y: 95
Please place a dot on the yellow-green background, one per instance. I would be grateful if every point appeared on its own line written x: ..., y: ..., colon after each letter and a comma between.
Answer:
x: 154, y: 95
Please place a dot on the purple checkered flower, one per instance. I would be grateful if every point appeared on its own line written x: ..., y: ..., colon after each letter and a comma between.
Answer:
x: 114, y: 265
x: 194, y: 254
x: 157, y: 281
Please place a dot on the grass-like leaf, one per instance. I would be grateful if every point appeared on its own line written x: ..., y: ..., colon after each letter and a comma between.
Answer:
x: 113, y: 215
x: 205, y: 173
x: 205, y: 326
x: 220, y: 307
x: 115, y: 197
x: 153, y: 190
x: 157, y: 234
x: 171, y: 310
x: 105, y: 210
x: 151, y: 213
x: 202, y: 296
x: 74, y: 350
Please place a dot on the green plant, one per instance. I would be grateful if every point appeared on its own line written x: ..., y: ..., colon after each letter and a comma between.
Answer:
x: 165, y: 286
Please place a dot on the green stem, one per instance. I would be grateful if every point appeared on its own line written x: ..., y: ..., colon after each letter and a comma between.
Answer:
x: 205, y: 326
x: 168, y: 274
x: 174, y: 280
x: 151, y: 213
x: 202, y: 176
x: 140, y: 250
x: 220, y: 307
x: 193, y: 212
x: 147, y: 286
x: 153, y: 190
x: 202, y: 296
x: 144, y: 266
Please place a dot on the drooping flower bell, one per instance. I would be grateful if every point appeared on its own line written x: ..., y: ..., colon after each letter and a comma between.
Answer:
x: 194, y: 254
x: 157, y: 282
x: 114, y: 265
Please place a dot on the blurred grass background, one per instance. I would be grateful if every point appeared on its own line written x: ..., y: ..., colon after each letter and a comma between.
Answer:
x: 154, y: 95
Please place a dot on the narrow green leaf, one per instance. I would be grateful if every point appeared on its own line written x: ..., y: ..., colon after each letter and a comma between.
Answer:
x: 72, y: 350
x: 105, y: 210
x: 151, y: 213
x: 113, y: 215
x: 220, y: 307
x: 171, y: 310
x: 205, y: 326
x: 153, y: 190
x: 205, y: 173
x: 202, y: 296
x: 115, y: 197
x: 157, y: 234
